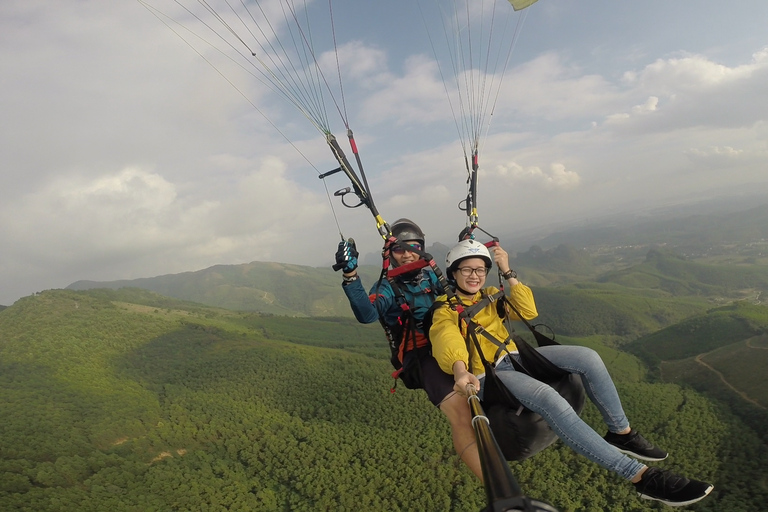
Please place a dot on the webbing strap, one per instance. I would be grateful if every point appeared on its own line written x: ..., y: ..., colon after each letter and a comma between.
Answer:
x: 466, y: 314
x: 541, y: 339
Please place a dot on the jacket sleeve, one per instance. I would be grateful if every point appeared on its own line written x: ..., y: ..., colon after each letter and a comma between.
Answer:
x: 365, y: 312
x: 522, y: 298
x: 448, y: 345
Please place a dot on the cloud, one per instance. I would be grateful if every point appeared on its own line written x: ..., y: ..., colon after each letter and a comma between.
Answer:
x: 556, y: 177
x: 121, y: 223
x: 727, y: 157
x: 694, y: 91
x: 547, y: 88
x: 418, y: 96
x: 129, y: 213
x: 365, y: 65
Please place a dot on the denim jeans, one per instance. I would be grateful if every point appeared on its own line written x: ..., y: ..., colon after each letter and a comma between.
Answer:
x: 559, y: 414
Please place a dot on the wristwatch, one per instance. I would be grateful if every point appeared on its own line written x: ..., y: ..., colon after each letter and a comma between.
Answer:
x: 509, y: 274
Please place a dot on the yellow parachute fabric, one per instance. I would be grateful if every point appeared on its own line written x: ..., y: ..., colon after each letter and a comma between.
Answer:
x: 521, y: 4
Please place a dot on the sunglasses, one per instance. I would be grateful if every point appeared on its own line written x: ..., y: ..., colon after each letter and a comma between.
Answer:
x: 400, y: 250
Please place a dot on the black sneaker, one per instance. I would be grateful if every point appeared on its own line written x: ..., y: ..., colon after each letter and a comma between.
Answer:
x: 636, y: 445
x: 674, y: 490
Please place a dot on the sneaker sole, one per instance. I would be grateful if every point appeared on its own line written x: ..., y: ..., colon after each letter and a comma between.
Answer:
x: 638, y: 456
x: 678, y: 503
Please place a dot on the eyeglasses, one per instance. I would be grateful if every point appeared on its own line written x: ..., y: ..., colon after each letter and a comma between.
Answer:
x: 400, y: 250
x: 467, y: 271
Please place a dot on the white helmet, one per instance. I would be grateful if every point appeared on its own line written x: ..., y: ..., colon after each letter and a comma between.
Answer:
x: 466, y: 249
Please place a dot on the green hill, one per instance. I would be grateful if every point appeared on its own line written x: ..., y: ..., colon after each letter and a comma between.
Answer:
x: 128, y: 401
x: 631, y: 301
x: 586, y: 309
x: 739, y: 366
x: 734, y: 374
x: 679, y: 276
x: 276, y: 288
x: 703, y: 333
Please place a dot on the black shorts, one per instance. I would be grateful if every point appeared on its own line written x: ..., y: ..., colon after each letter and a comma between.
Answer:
x: 437, y: 384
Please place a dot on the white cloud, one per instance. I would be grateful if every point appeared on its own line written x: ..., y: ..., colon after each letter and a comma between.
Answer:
x: 365, y: 65
x: 125, y: 221
x: 556, y: 176
x: 695, y: 91
x: 726, y: 157
x: 418, y: 96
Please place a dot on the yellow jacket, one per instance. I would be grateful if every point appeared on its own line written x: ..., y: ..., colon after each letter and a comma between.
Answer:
x: 448, y: 341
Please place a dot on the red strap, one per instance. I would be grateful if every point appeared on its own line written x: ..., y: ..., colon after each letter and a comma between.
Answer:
x: 414, y: 265
x: 395, y: 375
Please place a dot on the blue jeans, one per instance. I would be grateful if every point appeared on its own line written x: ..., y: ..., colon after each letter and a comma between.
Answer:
x: 559, y: 414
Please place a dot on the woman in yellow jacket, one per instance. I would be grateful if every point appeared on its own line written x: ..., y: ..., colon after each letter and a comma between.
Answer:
x: 467, y: 266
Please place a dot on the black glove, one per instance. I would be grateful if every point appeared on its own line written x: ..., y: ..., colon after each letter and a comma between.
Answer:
x: 346, y: 256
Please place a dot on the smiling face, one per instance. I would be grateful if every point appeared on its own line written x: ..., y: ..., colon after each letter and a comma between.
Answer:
x: 404, y: 257
x: 473, y: 282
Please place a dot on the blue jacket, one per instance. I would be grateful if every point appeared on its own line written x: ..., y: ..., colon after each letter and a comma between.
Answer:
x: 420, y: 291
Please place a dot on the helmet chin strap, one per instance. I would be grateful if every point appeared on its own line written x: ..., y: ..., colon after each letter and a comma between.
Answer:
x: 465, y: 292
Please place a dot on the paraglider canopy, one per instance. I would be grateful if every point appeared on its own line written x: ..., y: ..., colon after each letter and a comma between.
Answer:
x: 521, y: 4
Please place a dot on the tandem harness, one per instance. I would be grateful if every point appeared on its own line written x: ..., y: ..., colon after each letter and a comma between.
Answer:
x: 531, y: 361
x: 520, y: 432
x: 407, y: 342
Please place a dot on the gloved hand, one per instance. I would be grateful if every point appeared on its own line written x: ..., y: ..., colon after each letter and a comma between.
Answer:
x: 346, y: 256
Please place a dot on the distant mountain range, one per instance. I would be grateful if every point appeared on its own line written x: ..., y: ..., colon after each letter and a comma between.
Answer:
x: 729, y: 220
x: 677, y: 256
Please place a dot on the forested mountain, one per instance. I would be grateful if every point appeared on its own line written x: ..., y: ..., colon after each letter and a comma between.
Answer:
x: 663, y: 290
x: 129, y: 401
x: 269, y: 408
x: 276, y: 288
x: 597, y: 309
x: 680, y: 276
x: 704, y: 332
x: 633, y: 300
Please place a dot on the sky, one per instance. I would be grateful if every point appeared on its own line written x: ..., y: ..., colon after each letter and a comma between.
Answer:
x: 128, y: 152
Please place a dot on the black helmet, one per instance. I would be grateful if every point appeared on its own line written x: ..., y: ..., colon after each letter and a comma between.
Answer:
x: 405, y: 229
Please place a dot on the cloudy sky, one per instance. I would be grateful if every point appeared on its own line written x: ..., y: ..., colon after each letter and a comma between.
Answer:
x: 131, y: 148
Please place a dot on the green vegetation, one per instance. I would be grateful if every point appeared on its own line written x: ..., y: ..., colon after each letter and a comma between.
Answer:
x: 251, y: 388
x: 128, y: 401
x: 586, y: 309
x: 678, y: 276
x: 734, y: 374
x: 702, y: 333
x: 275, y: 288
